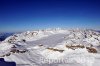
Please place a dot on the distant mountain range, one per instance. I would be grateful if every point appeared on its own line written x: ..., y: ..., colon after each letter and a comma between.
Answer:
x: 3, y: 36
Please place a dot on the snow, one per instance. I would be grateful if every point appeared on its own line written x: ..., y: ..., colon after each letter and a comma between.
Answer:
x: 38, y: 54
x: 5, y: 46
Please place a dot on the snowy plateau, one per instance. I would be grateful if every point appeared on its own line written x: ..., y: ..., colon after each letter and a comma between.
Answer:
x: 53, y: 47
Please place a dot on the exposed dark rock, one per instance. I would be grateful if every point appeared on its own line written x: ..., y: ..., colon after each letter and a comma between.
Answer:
x: 23, y: 40
x: 53, y: 49
x: 91, y: 50
x: 8, y: 54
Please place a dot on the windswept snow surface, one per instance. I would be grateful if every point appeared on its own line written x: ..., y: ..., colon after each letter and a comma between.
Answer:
x: 37, y: 43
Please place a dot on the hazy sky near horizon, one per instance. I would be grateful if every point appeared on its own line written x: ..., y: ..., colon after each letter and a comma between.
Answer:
x: 22, y: 15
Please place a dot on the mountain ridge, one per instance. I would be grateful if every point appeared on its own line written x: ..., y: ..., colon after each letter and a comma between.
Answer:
x: 52, y: 44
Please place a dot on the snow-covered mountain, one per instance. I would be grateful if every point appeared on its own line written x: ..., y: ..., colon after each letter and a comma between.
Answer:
x: 53, y: 47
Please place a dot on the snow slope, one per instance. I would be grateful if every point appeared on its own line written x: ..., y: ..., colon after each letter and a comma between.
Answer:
x: 48, y: 48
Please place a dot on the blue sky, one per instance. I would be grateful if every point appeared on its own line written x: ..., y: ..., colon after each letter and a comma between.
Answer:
x: 23, y: 15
